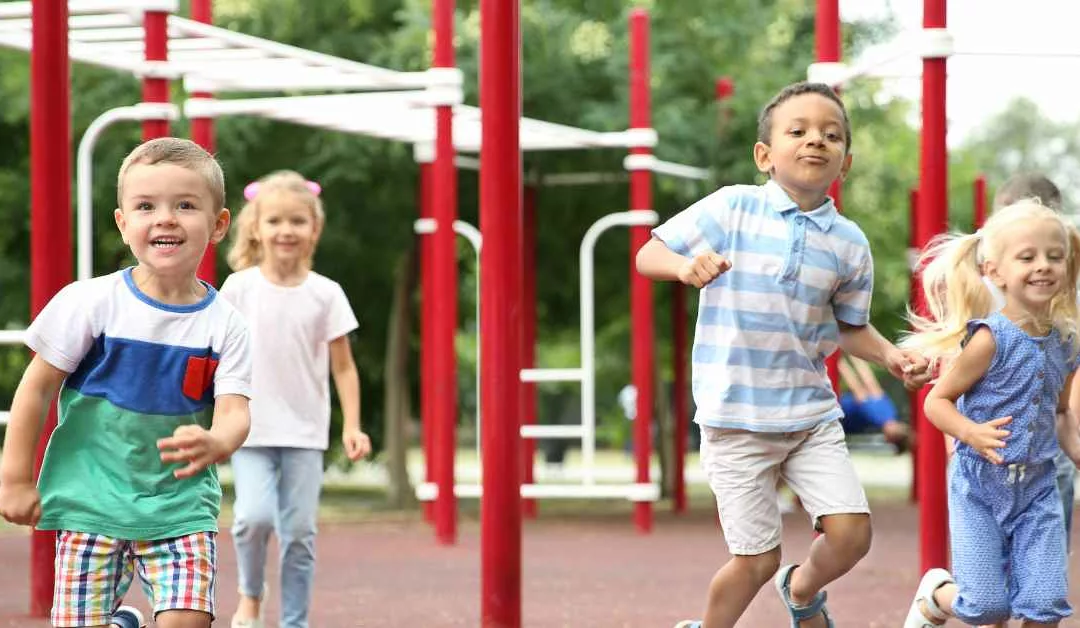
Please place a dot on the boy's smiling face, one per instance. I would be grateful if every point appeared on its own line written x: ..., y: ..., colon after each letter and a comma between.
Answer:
x: 168, y: 217
x: 807, y: 148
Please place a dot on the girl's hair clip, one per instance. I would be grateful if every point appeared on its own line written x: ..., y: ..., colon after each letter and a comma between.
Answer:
x: 251, y: 190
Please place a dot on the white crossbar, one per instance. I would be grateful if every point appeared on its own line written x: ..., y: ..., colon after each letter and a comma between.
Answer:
x: 552, y: 431
x: 551, y: 375
x: 428, y: 491
x: 4, y: 416
x: 12, y: 336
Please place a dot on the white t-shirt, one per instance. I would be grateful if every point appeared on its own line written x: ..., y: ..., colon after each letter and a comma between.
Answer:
x: 291, y: 329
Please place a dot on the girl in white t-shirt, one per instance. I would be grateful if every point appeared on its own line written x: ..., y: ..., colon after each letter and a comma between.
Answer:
x: 299, y: 323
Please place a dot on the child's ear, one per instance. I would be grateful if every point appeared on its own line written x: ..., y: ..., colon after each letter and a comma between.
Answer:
x: 221, y: 226
x: 763, y: 157
x: 845, y: 168
x: 118, y: 216
x: 990, y: 269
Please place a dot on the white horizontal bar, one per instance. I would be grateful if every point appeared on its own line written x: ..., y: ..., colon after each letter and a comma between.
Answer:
x: 551, y: 375
x: 428, y: 491
x: 12, y: 336
x: 651, y: 163
x: 583, y: 178
x: 85, y: 7
x: 552, y: 431
x: 4, y: 417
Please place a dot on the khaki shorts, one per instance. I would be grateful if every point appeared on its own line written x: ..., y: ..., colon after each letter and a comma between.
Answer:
x: 744, y: 469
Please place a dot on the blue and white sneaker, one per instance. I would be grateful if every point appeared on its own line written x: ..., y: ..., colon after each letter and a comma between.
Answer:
x: 128, y: 617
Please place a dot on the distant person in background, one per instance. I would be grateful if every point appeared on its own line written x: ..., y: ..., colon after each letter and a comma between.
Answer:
x: 866, y: 406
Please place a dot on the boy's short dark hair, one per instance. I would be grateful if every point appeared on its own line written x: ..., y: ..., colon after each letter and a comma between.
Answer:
x: 1028, y: 185
x: 764, y: 133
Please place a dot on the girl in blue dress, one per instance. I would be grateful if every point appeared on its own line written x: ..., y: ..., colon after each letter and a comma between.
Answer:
x: 1003, y: 394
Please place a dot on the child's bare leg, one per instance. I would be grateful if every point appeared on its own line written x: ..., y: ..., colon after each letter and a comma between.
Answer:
x: 248, y: 607
x: 845, y: 541
x: 735, y: 585
x: 1032, y: 624
x: 182, y: 619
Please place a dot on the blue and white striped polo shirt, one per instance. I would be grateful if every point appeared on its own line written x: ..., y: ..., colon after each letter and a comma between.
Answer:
x: 766, y: 326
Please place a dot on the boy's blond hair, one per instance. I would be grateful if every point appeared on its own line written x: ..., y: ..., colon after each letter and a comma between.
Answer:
x: 246, y: 249
x: 178, y: 152
x: 953, y: 287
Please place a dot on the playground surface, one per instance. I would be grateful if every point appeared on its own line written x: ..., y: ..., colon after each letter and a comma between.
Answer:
x: 589, y: 569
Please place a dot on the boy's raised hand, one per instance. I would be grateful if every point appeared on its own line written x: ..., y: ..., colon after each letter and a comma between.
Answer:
x: 20, y: 503
x: 702, y: 269
x: 987, y: 438
x: 194, y: 445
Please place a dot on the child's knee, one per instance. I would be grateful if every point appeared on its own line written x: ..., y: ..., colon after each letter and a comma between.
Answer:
x: 851, y: 533
x: 760, y: 567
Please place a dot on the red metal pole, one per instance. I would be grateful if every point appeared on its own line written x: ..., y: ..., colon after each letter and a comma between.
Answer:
x: 427, y: 336
x: 528, y: 331
x: 641, y: 307
x: 50, y: 222
x: 444, y: 274
x: 680, y: 388
x: 827, y: 42
x: 202, y: 133
x: 155, y: 26
x: 914, y: 397
x: 500, y: 316
x: 980, y: 201
x: 933, y: 219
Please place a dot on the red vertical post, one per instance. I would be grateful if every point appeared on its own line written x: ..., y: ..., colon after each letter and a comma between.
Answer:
x: 50, y: 222
x: 156, y: 44
x: 444, y: 274
x: 202, y: 133
x: 500, y: 319
x: 915, y: 297
x: 827, y: 42
x: 641, y: 306
x: 933, y: 219
x: 528, y: 331
x: 427, y: 333
x: 979, y: 193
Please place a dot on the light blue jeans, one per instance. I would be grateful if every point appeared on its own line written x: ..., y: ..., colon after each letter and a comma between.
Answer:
x: 277, y: 490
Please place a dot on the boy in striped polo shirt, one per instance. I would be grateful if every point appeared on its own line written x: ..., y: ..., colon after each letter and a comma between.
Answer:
x: 786, y: 281
x: 154, y: 375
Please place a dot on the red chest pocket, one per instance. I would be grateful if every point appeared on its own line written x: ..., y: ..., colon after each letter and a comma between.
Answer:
x: 198, y: 376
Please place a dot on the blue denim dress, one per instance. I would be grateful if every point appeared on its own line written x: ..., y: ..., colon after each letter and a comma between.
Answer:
x: 1006, y: 523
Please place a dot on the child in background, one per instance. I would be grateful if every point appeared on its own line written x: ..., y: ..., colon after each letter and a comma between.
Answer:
x: 786, y: 281
x: 300, y: 323
x: 153, y: 371
x: 1004, y: 396
x: 866, y: 406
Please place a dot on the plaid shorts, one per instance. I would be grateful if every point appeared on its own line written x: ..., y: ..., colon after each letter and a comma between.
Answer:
x: 94, y: 572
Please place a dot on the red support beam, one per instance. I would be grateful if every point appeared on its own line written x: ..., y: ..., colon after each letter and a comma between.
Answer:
x: 979, y: 192
x: 202, y: 133
x: 828, y: 44
x: 914, y: 397
x: 500, y: 313
x: 641, y: 306
x: 156, y: 44
x: 528, y: 351
x: 445, y: 277
x: 933, y: 219
x: 50, y: 222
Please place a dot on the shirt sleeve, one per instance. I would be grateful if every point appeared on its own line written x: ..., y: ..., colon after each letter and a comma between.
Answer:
x: 341, y: 319
x: 701, y: 228
x: 62, y: 333
x: 233, y: 375
x: 851, y: 301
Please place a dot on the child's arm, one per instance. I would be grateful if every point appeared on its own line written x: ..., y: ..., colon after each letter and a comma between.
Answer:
x: 200, y: 447
x: 1068, y: 419
x: 19, y: 499
x: 656, y: 261
x: 972, y: 363
x: 865, y: 342
x: 347, y: 382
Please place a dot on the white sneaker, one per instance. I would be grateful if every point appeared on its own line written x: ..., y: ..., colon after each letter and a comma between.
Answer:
x: 246, y: 623
x: 931, y: 581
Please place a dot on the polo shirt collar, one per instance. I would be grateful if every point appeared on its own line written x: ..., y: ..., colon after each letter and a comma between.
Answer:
x: 824, y: 216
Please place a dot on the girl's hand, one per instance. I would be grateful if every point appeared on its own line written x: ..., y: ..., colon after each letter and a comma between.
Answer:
x: 702, y: 269
x: 987, y: 438
x: 20, y: 503
x: 357, y: 444
x: 195, y: 445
